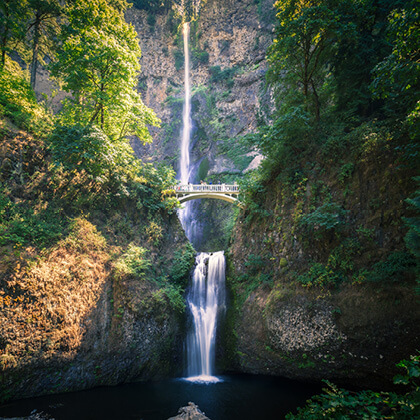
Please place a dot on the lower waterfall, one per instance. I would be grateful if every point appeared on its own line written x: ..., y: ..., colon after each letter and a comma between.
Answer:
x: 206, y: 299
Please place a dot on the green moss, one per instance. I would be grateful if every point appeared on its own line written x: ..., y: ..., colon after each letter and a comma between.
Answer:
x: 203, y: 169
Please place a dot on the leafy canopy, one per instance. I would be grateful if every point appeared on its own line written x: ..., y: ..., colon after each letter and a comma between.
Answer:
x: 98, y: 63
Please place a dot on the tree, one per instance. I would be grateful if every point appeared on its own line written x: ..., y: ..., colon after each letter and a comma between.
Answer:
x: 43, y: 26
x: 397, y: 77
x: 98, y: 63
x: 12, y: 13
x: 304, y: 44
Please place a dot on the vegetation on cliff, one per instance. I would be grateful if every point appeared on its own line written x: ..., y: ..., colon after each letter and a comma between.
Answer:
x: 328, y: 236
x: 93, y: 259
x: 339, y: 127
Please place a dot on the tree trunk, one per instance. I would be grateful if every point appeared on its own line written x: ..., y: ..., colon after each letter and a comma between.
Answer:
x: 4, y: 40
x: 3, y: 53
x: 317, y: 104
x: 35, y: 48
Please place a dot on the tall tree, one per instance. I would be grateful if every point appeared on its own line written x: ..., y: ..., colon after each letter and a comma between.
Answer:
x: 43, y: 27
x: 98, y: 62
x: 397, y: 77
x: 12, y: 14
x: 305, y: 39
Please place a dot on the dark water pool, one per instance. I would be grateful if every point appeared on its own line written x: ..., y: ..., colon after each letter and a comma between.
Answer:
x: 236, y: 397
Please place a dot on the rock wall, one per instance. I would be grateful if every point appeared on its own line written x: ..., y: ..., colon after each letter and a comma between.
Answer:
x: 73, y: 315
x: 228, y: 34
x: 352, y: 328
x: 228, y: 43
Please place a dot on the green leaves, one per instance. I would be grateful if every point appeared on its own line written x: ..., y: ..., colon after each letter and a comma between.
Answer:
x: 327, y: 217
x: 98, y: 63
x: 304, y: 44
x: 337, y: 403
x: 132, y: 263
x: 83, y: 148
x: 397, y: 77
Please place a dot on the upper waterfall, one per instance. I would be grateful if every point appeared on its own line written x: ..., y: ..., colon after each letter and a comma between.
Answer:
x: 186, y: 127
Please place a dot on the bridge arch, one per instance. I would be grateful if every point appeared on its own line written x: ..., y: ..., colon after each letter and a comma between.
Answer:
x: 223, y: 197
x: 223, y: 192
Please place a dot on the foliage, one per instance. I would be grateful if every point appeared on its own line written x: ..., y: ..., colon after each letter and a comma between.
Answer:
x: 305, y: 39
x: 170, y: 292
x: 44, y: 27
x: 397, y: 77
x: 153, y: 6
x: 179, y: 59
x: 224, y: 76
x: 182, y: 264
x: 98, y: 64
x: 394, y: 269
x: 12, y: 13
x: 255, y: 263
x: 152, y: 187
x: 132, y: 263
x: 21, y: 225
x: 201, y: 57
x: 337, y: 403
x: 84, y: 148
x: 18, y: 101
x: 338, y: 268
x: 329, y: 216
x: 251, y: 194
x: 412, y: 238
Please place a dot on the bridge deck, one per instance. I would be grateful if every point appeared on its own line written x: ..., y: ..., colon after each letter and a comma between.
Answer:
x: 196, y: 191
x: 200, y: 188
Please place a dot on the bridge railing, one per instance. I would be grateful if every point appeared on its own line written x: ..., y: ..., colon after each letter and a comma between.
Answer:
x: 219, y: 188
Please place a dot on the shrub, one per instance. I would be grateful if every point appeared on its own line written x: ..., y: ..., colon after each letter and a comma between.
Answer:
x: 338, y: 268
x: 338, y: 403
x: 328, y: 217
x: 132, y: 262
x: 182, y: 264
x: 255, y: 263
x: 179, y: 59
x: 224, y: 76
x: 21, y: 225
x: 18, y: 101
x: 394, y: 269
x: 83, y: 148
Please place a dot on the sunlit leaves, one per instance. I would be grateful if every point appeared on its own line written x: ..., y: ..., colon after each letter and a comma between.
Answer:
x: 98, y: 63
x: 12, y: 13
x: 299, y: 57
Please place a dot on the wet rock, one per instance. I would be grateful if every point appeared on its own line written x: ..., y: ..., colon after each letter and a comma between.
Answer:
x: 190, y: 412
x: 34, y: 416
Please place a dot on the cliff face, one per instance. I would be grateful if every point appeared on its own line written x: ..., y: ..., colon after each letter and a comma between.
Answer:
x: 329, y: 302
x: 69, y: 322
x: 101, y: 305
x: 228, y: 43
x: 226, y: 100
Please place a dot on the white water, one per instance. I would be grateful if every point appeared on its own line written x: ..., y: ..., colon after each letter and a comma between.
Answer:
x: 207, y: 294
x: 205, y: 300
x: 185, y: 213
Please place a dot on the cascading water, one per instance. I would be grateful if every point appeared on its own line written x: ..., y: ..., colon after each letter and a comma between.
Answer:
x: 206, y: 300
x: 185, y: 214
x: 206, y: 297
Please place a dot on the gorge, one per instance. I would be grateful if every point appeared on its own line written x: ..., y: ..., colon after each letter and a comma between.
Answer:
x: 102, y: 274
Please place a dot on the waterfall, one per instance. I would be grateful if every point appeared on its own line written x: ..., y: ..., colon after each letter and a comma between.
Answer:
x: 185, y: 213
x: 206, y: 296
x: 205, y: 300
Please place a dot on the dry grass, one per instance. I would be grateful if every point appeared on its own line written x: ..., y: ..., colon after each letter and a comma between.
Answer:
x: 43, y: 305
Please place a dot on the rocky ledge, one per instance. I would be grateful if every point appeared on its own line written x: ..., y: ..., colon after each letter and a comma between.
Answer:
x: 190, y: 412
